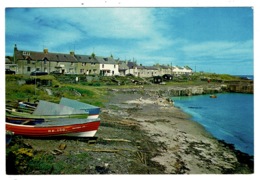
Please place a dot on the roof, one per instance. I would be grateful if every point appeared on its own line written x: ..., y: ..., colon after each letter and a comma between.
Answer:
x: 165, y: 67
x: 131, y: 64
x: 151, y: 68
x: 8, y: 60
x: 85, y: 58
x: 107, y: 60
x: 24, y: 55
x: 122, y: 65
x: 187, y: 67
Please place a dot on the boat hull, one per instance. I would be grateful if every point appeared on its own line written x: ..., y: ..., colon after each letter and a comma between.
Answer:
x: 93, y: 116
x: 87, y: 129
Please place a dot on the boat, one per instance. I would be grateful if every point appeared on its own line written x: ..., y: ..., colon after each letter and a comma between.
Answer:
x: 47, y: 119
x: 55, y: 127
x: 213, y: 96
x: 45, y: 109
x: 93, y: 111
x: 24, y: 120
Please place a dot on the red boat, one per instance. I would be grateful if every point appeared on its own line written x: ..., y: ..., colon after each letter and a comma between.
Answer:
x: 57, y: 127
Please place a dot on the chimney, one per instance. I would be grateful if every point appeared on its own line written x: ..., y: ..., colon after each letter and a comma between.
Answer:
x: 72, y: 53
x: 15, y: 48
x: 45, y: 50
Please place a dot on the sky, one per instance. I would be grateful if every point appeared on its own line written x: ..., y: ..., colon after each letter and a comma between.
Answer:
x: 209, y: 39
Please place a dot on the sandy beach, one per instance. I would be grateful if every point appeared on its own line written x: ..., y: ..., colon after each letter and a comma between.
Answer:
x: 186, y: 147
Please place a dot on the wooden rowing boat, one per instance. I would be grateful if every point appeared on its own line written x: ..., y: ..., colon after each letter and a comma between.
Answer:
x: 13, y: 113
x: 45, y: 109
x: 55, y: 127
x: 47, y: 119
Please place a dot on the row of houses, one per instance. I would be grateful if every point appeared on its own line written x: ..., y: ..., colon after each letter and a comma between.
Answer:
x: 25, y: 62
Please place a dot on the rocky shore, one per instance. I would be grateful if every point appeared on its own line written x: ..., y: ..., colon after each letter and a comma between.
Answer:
x: 141, y: 132
x: 186, y: 147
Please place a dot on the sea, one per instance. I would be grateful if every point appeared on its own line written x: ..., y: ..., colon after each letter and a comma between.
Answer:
x: 229, y: 117
x: 249, y: 77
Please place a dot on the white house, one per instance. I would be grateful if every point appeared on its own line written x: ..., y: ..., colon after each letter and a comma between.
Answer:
x: 177, y: 70
x: 108, y: 66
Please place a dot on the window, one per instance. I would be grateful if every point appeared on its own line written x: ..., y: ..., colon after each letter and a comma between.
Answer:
x: 114, y: 66
x: 103, y: 66
x: 26, y: 53
x: 28, y: 62
x: 28, y: 69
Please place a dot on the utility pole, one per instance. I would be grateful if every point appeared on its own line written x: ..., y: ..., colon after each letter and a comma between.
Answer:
x: 171, y: 69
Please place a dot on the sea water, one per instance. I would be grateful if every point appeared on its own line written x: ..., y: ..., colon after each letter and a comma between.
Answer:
x: 229, y: 117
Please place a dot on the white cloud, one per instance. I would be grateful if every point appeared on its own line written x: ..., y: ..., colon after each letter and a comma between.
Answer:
x: 219, y: 49
x: 146, y: 34
x: 104, y: 22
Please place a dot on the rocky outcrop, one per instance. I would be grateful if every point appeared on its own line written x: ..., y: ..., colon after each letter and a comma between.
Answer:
x: 191, y: 90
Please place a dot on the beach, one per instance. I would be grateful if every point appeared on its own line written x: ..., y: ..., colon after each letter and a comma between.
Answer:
x: 141, y: 132
x: 186, y: 147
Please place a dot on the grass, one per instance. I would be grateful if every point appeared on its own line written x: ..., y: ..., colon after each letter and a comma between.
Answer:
x: 32, y: 92
x: 89, y: 92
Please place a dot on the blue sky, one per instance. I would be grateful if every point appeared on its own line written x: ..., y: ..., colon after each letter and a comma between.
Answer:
x: 214, y: 39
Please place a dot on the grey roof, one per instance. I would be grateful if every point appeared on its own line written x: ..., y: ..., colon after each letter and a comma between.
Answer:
x: 85, y: 58
x: 108, y: 60
x: 32, y: 55
x: 165, y: 67
x: 122, y: 65
x: 131, y: 64
x: 187, y: 67
x: 150, y: 68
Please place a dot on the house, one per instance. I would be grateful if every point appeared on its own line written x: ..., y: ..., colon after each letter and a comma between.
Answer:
x: 163, y: 69
x: 142, y: 71
x: 71, y: 63
x: 9, y: 64
x: 29, y: 61
x: 150, y: 71
x: 25, y: 62
x: 177, y: 70
x: 188, y: 70
x: 132, y: 68
x: 107, y: 66
x: 122, y: 67
x: 87, y: 65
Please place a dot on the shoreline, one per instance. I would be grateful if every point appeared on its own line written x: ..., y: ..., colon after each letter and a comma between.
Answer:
x: 141, y: 132
x: 188, y: 148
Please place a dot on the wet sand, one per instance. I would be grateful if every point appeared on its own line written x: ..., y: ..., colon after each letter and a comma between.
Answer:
x: 186, y: 147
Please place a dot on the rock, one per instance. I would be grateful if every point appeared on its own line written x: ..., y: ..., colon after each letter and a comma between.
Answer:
x: 62, y: 146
